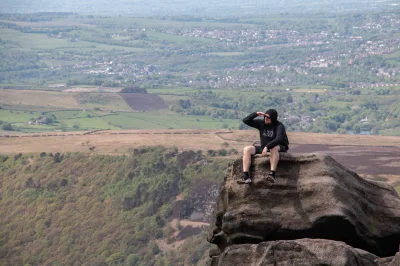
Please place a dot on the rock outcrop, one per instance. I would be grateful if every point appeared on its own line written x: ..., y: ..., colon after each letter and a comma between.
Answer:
x: 389, y: 261
x: 314, y: 199
x: 294, y: 252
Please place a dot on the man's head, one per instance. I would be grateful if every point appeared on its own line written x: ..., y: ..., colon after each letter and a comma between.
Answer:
x: 271, y: 116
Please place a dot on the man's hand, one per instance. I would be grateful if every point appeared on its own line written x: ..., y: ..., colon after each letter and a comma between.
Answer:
x: 260, y: 113
x: 264, y: 152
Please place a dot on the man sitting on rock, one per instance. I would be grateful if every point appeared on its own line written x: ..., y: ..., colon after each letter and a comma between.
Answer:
x: 273, y: 139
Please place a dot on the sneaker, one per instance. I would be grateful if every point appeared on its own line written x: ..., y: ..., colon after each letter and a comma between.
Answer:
x: 271, y: 178
x: 244, y: 180
x: 247, y: 181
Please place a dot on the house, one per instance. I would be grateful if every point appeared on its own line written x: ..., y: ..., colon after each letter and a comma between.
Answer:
x: 364, y: 120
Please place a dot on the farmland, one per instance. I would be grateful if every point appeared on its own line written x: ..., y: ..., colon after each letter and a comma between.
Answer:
x: 334, y: 77
x: 86, y: 111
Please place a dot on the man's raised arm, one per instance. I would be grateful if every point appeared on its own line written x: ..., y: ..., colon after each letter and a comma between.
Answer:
x: 249, y: 120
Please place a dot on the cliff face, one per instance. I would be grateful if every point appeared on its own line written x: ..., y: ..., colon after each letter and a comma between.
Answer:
x: 315, y: 199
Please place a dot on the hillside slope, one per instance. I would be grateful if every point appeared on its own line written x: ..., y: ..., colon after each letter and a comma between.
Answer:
x: 78, y: 209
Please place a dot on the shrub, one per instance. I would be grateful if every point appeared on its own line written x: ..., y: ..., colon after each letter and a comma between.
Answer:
x: 132, y: 260
x: 3, y: 158
x: 17, y: 156
x: 211, y: 152
x: 58, y: 157
x: 225, y: 144
x: 234, y: 151
x: 154, y: 248
x: 11, y: 172
x: 222, y: 152
x: 7, y: 126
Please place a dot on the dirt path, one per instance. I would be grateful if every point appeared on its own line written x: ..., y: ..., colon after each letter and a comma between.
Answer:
x: 179, y: 235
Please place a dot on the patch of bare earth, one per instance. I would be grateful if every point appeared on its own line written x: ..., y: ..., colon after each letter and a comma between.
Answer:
x: 193, y: 224
x: 180, y: 197
x: 188, y: 228
x: 143, y: 101
x: 59, y: 100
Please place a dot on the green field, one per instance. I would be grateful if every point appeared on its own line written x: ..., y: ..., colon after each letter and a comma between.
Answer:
x: 89, y: 120
x: 35, y: 128
x: 89, y: 123
x: 171, y: 91
x: 36, y: 41
x: 174, y: 94
x: 67, y: 119
x: 17, y: 116
x: 166, y: 120
x: 390, y: 132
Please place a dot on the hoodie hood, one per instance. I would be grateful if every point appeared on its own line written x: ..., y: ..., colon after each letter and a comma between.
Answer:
x: 273, y: 114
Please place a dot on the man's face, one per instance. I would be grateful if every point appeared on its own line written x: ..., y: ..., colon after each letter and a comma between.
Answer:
x: 267, y: 119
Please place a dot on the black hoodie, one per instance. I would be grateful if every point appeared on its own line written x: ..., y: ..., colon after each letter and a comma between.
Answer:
x: 272, y: 134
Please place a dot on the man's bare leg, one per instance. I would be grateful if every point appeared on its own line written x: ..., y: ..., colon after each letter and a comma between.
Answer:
x: 248, y: 151
x: 274, y: 157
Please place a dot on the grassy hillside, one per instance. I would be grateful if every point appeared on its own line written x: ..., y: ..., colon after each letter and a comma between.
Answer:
x: 79, y: 209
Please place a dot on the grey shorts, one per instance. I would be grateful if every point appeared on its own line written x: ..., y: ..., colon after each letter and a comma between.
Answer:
x: 259, y: 149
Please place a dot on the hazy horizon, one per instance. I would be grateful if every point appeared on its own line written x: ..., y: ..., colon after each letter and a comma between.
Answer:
x: 213, y: 8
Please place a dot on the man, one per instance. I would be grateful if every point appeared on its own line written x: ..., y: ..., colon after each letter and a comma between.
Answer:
x: 273, y: 139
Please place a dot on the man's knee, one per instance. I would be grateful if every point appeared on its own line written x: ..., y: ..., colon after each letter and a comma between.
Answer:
x: 249, y: 150
x: 276, y: 149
